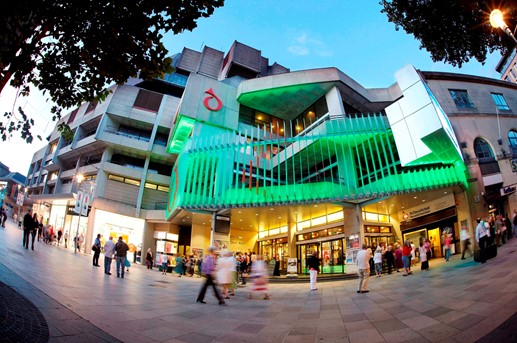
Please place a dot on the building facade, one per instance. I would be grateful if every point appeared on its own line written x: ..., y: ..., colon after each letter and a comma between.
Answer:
x: 234, y: 151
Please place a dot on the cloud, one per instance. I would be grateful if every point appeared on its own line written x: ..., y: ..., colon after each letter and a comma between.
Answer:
x: 298, y: 50
x: 303, y: 45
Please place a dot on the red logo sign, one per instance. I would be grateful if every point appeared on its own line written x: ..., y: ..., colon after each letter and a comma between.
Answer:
x: 211, y: 95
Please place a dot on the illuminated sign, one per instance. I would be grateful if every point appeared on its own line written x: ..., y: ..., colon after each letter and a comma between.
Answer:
x: 211, y: 95
x: 508, y: 190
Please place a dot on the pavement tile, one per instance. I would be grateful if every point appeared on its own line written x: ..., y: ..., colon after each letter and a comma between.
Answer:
x: 438, y: 332
x: 419, y: 322
x: 362, y: 336
x: 401, y: 335
x: 389, y: 325
x: 332, y: 332
x: 437, y: 312
x: 303, y: 331
x: 195, y: 337
x: 358, y: 326
x: 299, y: 339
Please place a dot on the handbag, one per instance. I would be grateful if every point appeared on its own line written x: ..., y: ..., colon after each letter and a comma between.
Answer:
x: 94, y: 247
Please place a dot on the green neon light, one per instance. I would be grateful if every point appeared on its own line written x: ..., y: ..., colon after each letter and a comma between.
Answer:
x: 181, y: 133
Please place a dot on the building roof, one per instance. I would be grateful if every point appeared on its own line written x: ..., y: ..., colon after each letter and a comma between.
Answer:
x: 15, y: 177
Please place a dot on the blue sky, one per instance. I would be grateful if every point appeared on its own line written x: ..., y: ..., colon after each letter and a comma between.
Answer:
x: 352, y: 36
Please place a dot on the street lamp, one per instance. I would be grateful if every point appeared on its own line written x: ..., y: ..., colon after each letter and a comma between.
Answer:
x: 497, y: 21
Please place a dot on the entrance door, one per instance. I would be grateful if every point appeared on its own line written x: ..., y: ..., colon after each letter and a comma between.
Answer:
x: 434, y: 238
x: 332, y: 260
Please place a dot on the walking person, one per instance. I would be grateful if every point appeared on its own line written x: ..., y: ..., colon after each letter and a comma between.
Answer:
x: 121, y: 249
x: 96, y: 247
x: 406, y: 257
x: 377, y: 260
x: 179, y: 265
x: 313, y: 263
x: 225, y: 268
x: 59, y: 235
x: 508, y: 225
x: 447, y: 245
x: 208, y: 269
x: 390, y: 258
x: 67, y: 235
x: 428, y: 251
x: 422, y: 252
x: 109, y: 249
x: 149, y: 259
x: 465, y: 241
x: 399, y: 264
x: 34, y: 229
x: 363, y: 269
x: 243, y: 268
x: 482, y: 235
x: 165, y: 263
x: 28, y: 224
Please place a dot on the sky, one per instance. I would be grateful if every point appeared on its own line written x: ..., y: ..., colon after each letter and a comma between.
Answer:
x: 353, y: 36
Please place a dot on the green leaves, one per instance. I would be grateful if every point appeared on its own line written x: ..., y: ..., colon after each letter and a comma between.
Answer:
x: 73, y: 50
x: 452, y: 31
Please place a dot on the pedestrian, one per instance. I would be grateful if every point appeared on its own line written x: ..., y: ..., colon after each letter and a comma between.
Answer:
x: 243, y: 268
x: 313, y: 263
x: 363, y: 269
x: 465, y: 241
x: 447, y: 246
x: 208, y: 269
x: 482, y: 236
x: 179, y: 265
x: 413, y: 255
x: 225, y: 269
x: 109, y: 249
x: 149, y: 259
x: 422, y: 253
x: 34, y: 229
x: 96, y: 247
x: 399, y: 264
x: 165, y: 263
x: 127, y: 264
x: 59, y: 235
x: 406, y: 257
x: 67, y: 235
x: 428, y: 251
x: 40, y: 228
x: 259, y: 277
x: 390, y: 258
x: 499, y: 230
x: 508, y: 226
x: 28, y: 224
x: 276, y: 271
x: 514, y: 222
x: 121, y: 249
x: 377, y: 260
x: 80, y: 241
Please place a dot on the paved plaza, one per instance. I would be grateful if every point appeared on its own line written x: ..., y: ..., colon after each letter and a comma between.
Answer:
x: 456, y: 301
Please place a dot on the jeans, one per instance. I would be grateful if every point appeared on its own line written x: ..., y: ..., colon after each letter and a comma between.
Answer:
x: 447, y: 254
x: 26, y: 235
x: 405, y: 260
x: 107, y: 264
x: 96, y: 255
x: 313, y: 277
x: 121, y: 261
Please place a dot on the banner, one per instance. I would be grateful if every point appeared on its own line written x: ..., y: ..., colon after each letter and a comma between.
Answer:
x: 79, y: 202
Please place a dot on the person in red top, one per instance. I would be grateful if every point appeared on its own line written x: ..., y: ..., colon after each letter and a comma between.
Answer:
x: 406, y: 257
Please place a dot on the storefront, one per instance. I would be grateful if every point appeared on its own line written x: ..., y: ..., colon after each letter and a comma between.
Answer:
x: 329, y: 244
x: 115, y: 225
x: 275, y: 248
x: 374, y: 235
x: 433, y: 221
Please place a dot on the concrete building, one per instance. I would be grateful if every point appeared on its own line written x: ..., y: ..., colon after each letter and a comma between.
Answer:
x: 236, y: 151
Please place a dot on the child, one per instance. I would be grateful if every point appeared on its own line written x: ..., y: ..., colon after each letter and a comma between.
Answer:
x: 165, y: 264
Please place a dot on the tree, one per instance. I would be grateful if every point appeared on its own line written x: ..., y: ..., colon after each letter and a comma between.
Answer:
x: 71, y: 50
x: 453, y: 31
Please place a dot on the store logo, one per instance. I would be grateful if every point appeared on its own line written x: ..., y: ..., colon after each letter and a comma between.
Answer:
x: 405, y: 216
x: 211, y: 95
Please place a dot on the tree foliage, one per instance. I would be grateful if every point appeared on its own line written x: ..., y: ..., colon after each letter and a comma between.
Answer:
x: 453, y: 31
x: 71, y: 50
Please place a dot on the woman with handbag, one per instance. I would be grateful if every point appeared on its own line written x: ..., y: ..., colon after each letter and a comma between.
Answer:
x: 96, y: 247
x: 149, y: 259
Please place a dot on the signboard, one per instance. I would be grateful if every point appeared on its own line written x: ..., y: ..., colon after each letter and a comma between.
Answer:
x: 20, y: 199
x: 514, y: 165
x: 78, y: 202
x: 84, y: 204
x: 508, y: 190
x: 430, y: 207
x: 292, y: 265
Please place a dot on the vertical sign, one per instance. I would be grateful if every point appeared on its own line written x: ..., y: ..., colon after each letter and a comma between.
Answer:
x: 79, y: 202
x: 84, y: 204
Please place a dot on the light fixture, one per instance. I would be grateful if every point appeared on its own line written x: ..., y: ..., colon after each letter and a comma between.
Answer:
x: 497, y: 21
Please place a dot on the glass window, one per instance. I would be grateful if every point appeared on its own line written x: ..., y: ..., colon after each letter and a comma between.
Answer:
x: 148, y: 100
x: 132, y: 182
x: 482, y: 149
x: 461, y: 98
x: 150, y: 185
x: 500, y: 102
x: 512, y: 141
x: 163, y: 188
x: 115, y: 178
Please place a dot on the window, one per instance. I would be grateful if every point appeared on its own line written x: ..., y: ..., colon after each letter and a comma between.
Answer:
x: 72, y: 116
x: 500, y: 102
x: 482, y: 149
x: 91, y: 106
x: 512, y: 141
x: 461, y: 98
x: 148, y: 100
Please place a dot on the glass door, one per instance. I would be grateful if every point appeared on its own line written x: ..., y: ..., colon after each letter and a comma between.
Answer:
x: 332, y: 257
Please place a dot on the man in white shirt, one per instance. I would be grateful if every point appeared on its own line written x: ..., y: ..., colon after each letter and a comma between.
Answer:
x: 109, y: 249
x: 363, y: 269
x: 482, y: 234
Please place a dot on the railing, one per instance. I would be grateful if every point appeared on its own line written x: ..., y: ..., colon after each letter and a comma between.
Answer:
x: 130, y: 134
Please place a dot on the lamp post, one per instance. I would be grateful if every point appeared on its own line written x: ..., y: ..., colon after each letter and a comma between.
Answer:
x: 497, y: 21
x: 79, y: 203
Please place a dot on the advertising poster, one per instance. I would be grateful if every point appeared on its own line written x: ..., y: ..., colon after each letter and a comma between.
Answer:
x: 292, y: 265
x: 197, y: 252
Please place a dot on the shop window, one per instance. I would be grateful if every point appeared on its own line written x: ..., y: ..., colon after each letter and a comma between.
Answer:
x: 461, y: 98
